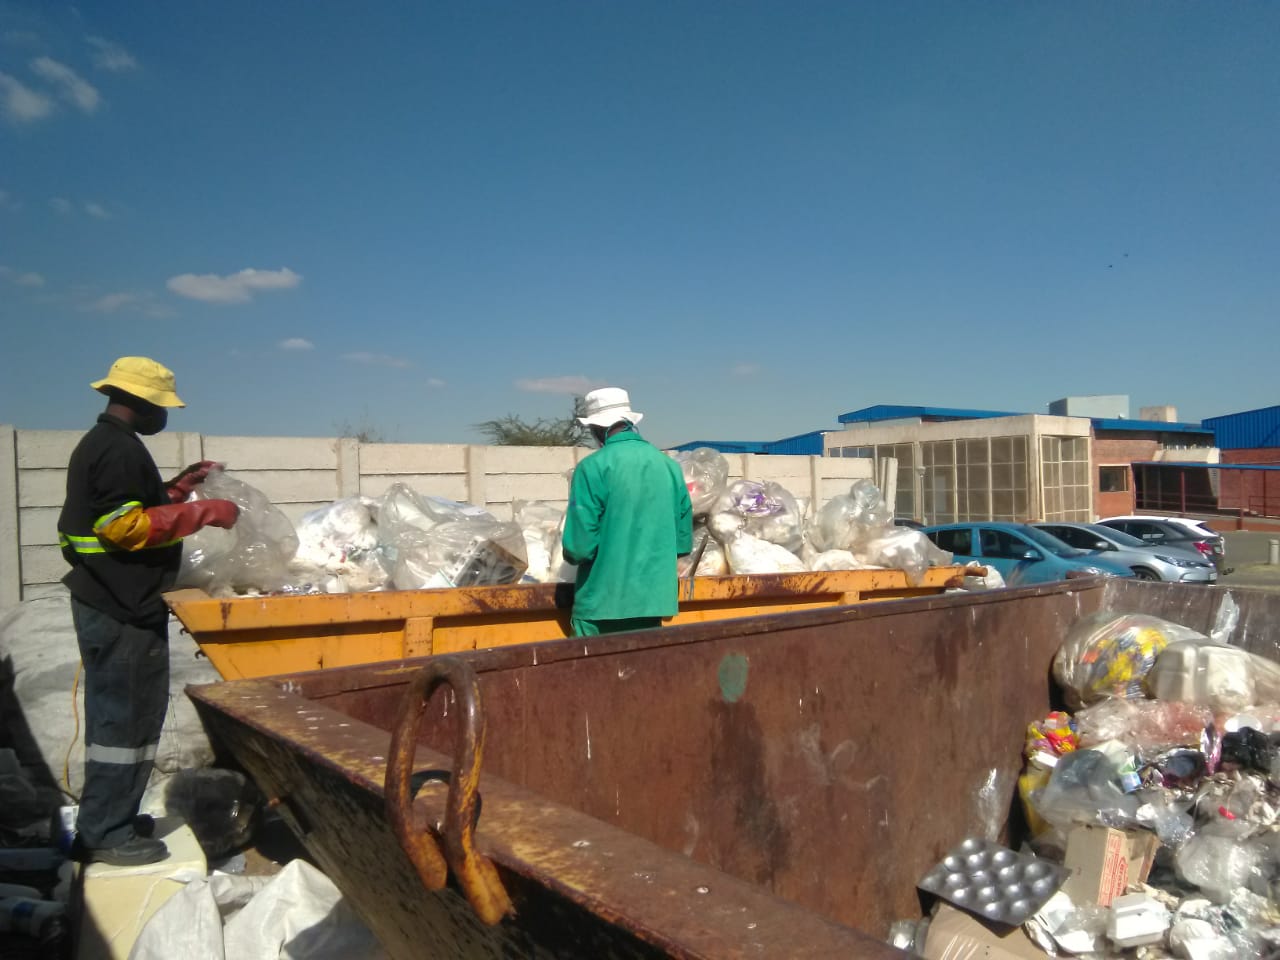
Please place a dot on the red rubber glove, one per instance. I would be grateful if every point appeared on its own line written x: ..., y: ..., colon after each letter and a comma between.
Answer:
x: 178, y: 520
x: 181, y: 486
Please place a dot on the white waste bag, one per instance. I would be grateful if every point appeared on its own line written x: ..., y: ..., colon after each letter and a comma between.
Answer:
x: 296, y: 915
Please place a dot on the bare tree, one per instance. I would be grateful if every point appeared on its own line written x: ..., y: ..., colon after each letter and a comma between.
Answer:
x: 364, y: 431
x: 513, y: 431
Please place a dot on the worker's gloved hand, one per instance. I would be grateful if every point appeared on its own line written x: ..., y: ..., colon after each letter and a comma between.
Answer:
x: 182, y: 486
x: 220, y: 513
x: 178, y: 520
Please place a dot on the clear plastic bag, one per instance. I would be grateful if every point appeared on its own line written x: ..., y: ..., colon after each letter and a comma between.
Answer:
x: 1085, y: 788
x: 433, y: 542
x: 459, y: 553
x: 1220, y: 864
x: 540, y: 523
x: 901, y: 548
x: 710, y: 556
x: 402, y: 506
x: 763, y: 510
x: 1109, y: 655
x: 222, y: 807
x: 1149, y: 727
x: 253, y: 556
x: 748, y: 555
x: 851, y: 521
x: 706, y: 474
x: 341, y: 541
x: 834, y: 560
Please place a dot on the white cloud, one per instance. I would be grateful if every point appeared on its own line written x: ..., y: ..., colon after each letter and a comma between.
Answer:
x: 376, y: 360
x: 60, y: 205
x: 20, y: 278
x: 233, y: 288
x: 20, y: 103
x: 111, y: 56
x: 296, y: 343
x: 144, y: 303
x: 570, y: 385
x: 96, y: 210
x: 435, y: 383
x: 70, y: 85
x: 746, y: 370
x: 111, y: 302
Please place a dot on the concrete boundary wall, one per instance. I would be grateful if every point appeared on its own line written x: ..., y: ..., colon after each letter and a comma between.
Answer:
x: 299, y: 474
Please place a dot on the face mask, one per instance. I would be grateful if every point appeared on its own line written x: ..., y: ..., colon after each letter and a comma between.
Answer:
x: 151, y: 422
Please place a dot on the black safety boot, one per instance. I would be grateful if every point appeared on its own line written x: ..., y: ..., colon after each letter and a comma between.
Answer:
x: 132, y: 853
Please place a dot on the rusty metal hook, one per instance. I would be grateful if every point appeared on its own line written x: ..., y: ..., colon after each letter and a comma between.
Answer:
x: 475, y: 873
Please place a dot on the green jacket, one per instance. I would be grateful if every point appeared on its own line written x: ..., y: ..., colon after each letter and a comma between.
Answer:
x: 629, y: 517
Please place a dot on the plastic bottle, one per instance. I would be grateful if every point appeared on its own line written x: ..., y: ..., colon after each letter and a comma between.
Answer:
x: 43, y: 920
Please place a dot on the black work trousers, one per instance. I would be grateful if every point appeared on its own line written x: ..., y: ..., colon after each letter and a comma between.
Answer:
x: 126, y: 695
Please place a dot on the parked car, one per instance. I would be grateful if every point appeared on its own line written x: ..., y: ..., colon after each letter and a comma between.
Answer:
x: 908, y: 522
x: 1147, y: 561
x: 1020, y: 552
x: 1175, y: 532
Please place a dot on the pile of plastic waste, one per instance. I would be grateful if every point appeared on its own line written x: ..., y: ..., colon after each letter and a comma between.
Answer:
x: 750, y: 526
x: 1160, y: 794
x: 402, y: 541
x: 405, y: 540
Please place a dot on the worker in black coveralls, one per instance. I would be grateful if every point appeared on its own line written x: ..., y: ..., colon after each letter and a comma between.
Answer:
x: 121, y: 529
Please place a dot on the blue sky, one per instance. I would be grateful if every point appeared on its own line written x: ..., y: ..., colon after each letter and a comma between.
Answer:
x: 416, y: 216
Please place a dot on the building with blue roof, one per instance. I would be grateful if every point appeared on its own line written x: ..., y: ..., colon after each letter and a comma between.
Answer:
x: 955, y: 464
x: 1252, y: 430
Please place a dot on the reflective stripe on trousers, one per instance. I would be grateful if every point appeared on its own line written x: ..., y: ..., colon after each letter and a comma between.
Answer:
x: 126, y: 695
x: 125, y: 755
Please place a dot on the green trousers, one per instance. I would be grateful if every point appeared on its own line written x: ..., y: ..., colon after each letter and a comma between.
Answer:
x: 596, y: 628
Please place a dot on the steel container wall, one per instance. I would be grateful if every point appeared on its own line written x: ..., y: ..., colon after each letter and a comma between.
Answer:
x: 766, y: 787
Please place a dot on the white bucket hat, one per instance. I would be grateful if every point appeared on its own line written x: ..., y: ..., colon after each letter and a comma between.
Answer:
x: 606, y: 406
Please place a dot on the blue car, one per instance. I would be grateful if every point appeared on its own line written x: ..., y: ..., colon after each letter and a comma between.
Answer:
x: 1020, y: 552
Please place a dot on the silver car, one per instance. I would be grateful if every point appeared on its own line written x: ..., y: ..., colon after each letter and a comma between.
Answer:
x: 1148, y: 562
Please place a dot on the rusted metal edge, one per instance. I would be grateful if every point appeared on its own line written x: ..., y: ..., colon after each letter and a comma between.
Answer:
x: 662, y: 898
x: 201, y: 613
x: 474, y: 872
x: 321, y: 683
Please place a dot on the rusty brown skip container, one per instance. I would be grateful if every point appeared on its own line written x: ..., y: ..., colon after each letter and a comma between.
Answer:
x: 765, y: 787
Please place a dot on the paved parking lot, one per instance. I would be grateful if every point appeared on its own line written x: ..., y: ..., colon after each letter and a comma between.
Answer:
x: 1247, y: 554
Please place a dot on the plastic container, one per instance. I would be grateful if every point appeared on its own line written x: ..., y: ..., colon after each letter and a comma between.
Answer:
x: 42, y: 920
x: 1204, y: 673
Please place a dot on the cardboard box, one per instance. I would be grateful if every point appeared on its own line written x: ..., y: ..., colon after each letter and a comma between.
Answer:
x: 116, y: 902
x: 956, y: 935
x: 1104, y: 862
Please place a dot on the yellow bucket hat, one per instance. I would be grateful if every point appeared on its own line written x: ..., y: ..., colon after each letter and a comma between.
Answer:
x: 142, y: 377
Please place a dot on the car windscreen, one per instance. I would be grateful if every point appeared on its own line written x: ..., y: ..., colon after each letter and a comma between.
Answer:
x: 1051, y: 543
x: 1118, y: 537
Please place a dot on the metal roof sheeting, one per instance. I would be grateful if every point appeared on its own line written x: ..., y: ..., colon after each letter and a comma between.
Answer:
x: 1208, y: 466
x: 801, y: 445
x: 889, y: 411
x: 724, y: 446
x: 1148, y: 426
x: 1249, y: 430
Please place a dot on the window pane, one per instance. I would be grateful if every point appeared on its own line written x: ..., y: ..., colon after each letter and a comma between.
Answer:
x: 1113, y: 479
x: 954, y: 541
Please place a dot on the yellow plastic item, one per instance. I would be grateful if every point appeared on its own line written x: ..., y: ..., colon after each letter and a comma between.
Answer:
x: 250, y: 637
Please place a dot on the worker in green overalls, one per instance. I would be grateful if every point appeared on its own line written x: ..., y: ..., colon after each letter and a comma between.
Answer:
x: 629, y: 518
